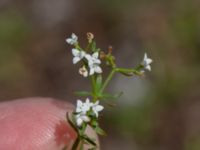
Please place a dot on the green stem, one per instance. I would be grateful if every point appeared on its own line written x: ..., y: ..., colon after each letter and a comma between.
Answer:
x: 77, y: 46
x: 135, y: 71
x: 76, y: 144
x: 107, y: 80
x: 81, y: 145
x: 93, y: 84
x: 93, y: 87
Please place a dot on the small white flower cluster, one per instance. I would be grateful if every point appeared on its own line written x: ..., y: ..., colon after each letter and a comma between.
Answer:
x: 85, y: 110
x: 73, y: 40
x: 146, y: 62
x: 93, y: 60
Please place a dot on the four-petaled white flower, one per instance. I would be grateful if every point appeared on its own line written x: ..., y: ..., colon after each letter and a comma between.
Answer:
x: 83, y: 108
x: 81, y: 118
x: 78, y: 55
x: 83, y: 71
x: 96, y: 108
x: 146, y: 62
x: 93, y: 63
x: 72, y: 40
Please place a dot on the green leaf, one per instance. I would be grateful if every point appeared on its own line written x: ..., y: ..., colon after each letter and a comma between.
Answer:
x: 82, y: 129
x: 94, y: 123
x: 100, y: 131
x: 93, y: 46
x: 71, y: 122
x: 128, y: 74
x: 89, y: 140
x: 98, y: 82
x: 83, y: 93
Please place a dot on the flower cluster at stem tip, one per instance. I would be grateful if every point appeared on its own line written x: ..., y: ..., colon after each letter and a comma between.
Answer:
x: 78, y: 54
x: 87, y: 109
x: 90, y: 60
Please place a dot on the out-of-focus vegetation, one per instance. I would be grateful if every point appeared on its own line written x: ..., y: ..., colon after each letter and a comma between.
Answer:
x: 156, y: 112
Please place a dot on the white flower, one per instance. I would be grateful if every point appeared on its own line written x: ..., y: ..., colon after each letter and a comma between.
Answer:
x: 83, y: 71
x: 96, y: 108
x: 146, y: 62
x: 80, y: 118
x: 93, y: 58
x: 95, y: 68
x: 72, y: 40
x: 83, y: 110
x: 83, y: 107
x: 78, y: 55
x: 94, y: 63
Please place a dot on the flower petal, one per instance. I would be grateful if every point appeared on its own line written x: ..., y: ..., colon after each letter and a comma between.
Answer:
x: 98, y: 69
x: 82, y: 54
x: 149, y: 61
x: 99, y: 108
x: 145, y: 56
x: 74, y: 37
x: 91, y: 71
x: 79, y: 121
x: 88, y: 57
x: 148, y: 67
x: 85, y: 108
x: 96, y: 113
x: 79, y: 103
x: 76, y: 59
x: 97, y: 61
x: 96, y: 103
x: 86, y: 118
x: 95, y: 55
x: 87, y: 101
x: 75, y: 52
x: 69, y: 41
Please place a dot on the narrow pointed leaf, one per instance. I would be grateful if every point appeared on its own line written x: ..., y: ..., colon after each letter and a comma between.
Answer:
x: 94, y: 123
x: 129, y: 72
x: 89, y: 140
x: 72, y: 123
x: 100, y: 131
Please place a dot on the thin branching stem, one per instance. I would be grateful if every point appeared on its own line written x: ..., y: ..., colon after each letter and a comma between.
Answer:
x: 107, y: 80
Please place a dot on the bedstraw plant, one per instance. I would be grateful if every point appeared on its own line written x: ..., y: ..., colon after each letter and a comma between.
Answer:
x: 91, y: 60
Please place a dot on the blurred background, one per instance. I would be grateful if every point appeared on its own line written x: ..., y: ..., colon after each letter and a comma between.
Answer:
x: 158, y: 112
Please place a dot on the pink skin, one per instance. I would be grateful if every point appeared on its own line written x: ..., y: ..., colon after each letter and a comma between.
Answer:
x: 35, y: 124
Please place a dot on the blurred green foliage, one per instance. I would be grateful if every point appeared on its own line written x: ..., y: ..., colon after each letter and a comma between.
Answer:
x: 193, y: 144
x: 13, y: 33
